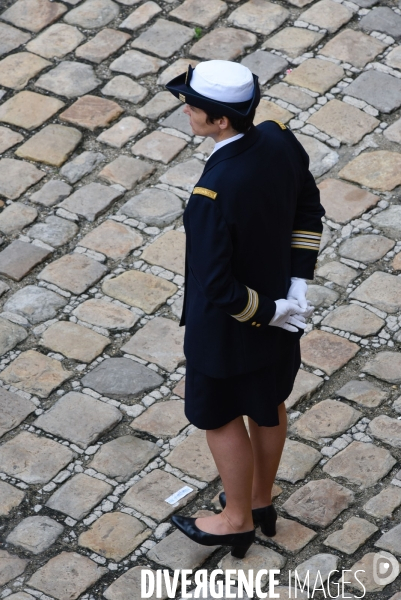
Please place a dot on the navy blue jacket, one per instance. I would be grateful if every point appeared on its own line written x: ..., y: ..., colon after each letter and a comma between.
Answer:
x: 253, y: 221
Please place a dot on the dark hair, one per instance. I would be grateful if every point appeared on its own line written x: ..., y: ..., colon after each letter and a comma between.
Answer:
x: 240, y: 124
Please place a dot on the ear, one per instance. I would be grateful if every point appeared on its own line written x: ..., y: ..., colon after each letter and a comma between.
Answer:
x: 224, y: 123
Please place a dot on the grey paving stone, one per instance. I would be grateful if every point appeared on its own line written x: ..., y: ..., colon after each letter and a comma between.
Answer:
x: 360, y: 463
x: 16, y: 176
x: 319, y: 295
x: 363, y: 393
x: 13, y: 410
x: 344, y: 202
x: 393, y: 58
x: 114, y: 535
x: 291, y: 95
x: 361, y: 574
x: 53, y: 231
x: 124, y: 88
x: 160, y: 341
x: 93, y: 14
x: 137, y: 64
x: 82, y: 165
x: 178, y: 67
x: 19, y: 258
x: 79, y: 418
x: 297, y: 461
x: 103, y: 45
x: 178, y: 120
x: 33, y: 15
x: 73, y: 272
x: 223, y: 43
x: 326, y: 351
x: 123, y: 457
x: 33, y: 459
x: 10, y: 566
x: 268, y: 110
x: 123, y: 131
x: 91, y: 200
x: 337, y: 272
x: 259, y: 557
x: 35, y: 373
x: 293, y: 41
x: 389, y: 221
x: 304, y: 385
x: 154, y: 207
x: 122, y: 379
x: 123, y: 587
x: 127, y: 171
x: 264, y: 64
x: 35, y: 534
x: 8, y: 137
x: 184, y: 175
x: 56, y: 41
x: 386, y: 366
x: 159, y: 146
x: 366, y: 248
x: 158, y: 105
x: 16, y: 216
x: 142, y: 15
x: 259, y: 16
x: 66, y: 576
x: 203, y: 14
x: 16, y: 70
x: 105, y: 314
x: 193, y: 456
x: 69, y: 79
x: 380, y: 289
x: 384, y: 504
x: 327, y: 14
x: 164, y: 38
x: 74, y: 341
x: 322, y: 158
x: 381, y: 90
x: 91, y: 112
x: 327, y: 418
x: 386, y: 429
x: 353, y: 47
x: 382, y: 19
x: 29, y: 109
x: 35, y: 303
x: 391, y: 540
x: 167, y: 251
x: 393, y: 133
x: 51, y: 145
x: 379, y: 170
x: 162, y: 419
x: 11, y: 334
x: 78, y: 496
x: 143, y: 290
x: 11, y: 38
x: 317, y: 567
x: 148, y: 495
x: 10, y: 498
x: 51, y: 193
x: 319, y: 502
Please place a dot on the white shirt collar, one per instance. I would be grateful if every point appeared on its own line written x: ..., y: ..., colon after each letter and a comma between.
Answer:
x: 227, y: 141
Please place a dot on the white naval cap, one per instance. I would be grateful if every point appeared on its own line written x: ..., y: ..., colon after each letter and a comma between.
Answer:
x: 223, y: 80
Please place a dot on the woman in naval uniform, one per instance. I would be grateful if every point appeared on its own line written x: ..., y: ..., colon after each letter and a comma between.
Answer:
x: 253, y: 228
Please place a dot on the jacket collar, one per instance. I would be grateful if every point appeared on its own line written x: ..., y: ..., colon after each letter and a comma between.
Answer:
x: 232, y: 149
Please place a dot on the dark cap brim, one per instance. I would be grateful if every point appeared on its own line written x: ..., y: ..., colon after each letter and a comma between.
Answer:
x: 185, y: 93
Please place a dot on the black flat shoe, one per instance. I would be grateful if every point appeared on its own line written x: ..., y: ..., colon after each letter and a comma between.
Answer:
x: 266, y: 516
x: 239, y: 542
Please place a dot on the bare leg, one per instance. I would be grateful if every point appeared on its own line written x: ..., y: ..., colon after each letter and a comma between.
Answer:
x: 232, y: 452
x: 267, y: 445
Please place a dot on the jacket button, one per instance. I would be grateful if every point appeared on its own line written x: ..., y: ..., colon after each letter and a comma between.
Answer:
x: 254, y: 323
x: 257, y: 324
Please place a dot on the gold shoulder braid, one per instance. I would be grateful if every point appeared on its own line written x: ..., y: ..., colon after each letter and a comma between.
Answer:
x: 279, y: 123
x: 205, y: 192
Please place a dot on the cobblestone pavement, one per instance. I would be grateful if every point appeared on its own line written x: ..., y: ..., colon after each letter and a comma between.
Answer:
x: 97, y: 163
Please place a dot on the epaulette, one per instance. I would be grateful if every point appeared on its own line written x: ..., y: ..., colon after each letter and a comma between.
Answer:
x: 205, y: 192
x: 279, y: 123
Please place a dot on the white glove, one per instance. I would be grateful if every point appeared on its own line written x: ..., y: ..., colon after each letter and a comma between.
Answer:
x: 297, y: 291
x: 289, y: 315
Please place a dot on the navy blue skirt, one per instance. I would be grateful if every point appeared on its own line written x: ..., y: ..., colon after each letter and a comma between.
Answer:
x: 211, y: 403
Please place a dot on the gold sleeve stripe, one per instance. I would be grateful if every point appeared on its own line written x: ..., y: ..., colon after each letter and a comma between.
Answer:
x: 205, y: 192
x: 251, y: 307
x: 312, y: 233
x: 309, y: 240
x: 306, y: 247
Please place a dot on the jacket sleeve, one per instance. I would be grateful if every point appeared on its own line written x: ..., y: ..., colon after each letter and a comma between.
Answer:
x: 307, y: 226
x: 209, y: 259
